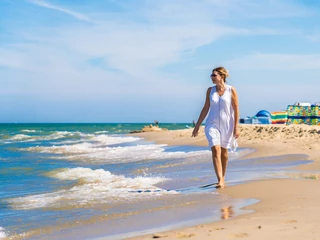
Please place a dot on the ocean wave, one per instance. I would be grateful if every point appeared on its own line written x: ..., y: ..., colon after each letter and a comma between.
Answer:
x: 72, y: 137
x: 93, y: 187
x: 2, y: 233
x: 65, y: 149
x: 110, y: 139
x: 101, y: 132
x: 19, y: 137
x: 90, y: 152
x: 52, y: 136
x: 30, y: 130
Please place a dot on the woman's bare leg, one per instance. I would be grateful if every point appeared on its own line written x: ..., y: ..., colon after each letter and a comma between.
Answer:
x: 216, y: 159
x: 224, y: 160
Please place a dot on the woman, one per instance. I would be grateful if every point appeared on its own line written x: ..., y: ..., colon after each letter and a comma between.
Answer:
x: 222, y: 122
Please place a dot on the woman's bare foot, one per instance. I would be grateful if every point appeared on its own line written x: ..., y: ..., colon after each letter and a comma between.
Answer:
x: 220, y: 185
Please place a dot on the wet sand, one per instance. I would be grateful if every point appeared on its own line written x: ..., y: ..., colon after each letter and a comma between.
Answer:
x: 288, y: 208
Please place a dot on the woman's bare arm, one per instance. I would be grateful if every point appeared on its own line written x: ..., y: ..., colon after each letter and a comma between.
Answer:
x: 203, y: 113
x: 235, y: 105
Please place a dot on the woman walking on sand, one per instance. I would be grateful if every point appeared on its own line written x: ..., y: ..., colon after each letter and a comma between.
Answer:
x: 222, y: 122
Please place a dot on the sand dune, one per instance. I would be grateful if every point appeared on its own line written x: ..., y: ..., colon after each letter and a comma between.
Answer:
x: 267, y: 132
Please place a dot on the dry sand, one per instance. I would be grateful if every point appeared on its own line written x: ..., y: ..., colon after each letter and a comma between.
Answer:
x: 289, y: 208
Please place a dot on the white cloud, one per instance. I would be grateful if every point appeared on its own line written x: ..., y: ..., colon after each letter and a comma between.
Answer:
x: 315, y: 37
x: 74, y: 14
x: 231, y: 9
x: 261, y: 61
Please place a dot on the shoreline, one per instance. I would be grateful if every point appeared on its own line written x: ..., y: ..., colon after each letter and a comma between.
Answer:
x: 287, y: 208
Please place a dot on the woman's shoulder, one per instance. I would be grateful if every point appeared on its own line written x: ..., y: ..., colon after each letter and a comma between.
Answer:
x: 209, y: 90
x: 229, y: 87
x: 232, y: 88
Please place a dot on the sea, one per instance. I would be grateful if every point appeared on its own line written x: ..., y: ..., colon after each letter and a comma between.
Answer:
x: 98, y: 181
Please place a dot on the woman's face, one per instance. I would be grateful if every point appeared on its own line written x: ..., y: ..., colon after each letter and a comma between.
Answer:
x: 216, y: 78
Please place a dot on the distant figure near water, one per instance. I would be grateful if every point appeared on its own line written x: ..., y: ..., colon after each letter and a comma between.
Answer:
x: 222, y: 122
x: 156, y: 123
x: 193, y: 123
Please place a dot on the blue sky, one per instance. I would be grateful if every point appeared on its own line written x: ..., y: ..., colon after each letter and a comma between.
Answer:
x: 137, y: 61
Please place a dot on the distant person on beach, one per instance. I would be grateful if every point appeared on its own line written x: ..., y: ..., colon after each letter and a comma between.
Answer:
x: 222, y: 122
x: 193, y: 123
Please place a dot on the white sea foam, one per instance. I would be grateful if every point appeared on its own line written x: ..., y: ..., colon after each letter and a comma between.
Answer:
x: 30, y: 130
x: 65, y: 149
x: 103, y: 139
x: 2, y: 233
x: 73, y: 137
x: 52, y: 136
x: 94, y: 187
x: 20, y: 137
x: 110, y: 139
x: 68, y: 142
x: 59, y: 134
x: 90, y: 152
x: 101, y: 132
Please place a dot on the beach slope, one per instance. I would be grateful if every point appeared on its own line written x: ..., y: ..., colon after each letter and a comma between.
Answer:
x: 288, y: 208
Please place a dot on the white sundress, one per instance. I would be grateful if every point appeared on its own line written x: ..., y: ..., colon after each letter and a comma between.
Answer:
x: 219, y: 125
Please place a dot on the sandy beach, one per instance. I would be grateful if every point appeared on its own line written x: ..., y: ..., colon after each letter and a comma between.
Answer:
x: 288, y: 208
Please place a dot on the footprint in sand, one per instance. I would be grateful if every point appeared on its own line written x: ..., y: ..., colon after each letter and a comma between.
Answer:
x: 185, y: 235
x: 290, y: 221
x: 241, y: 235
x: 219, y: 228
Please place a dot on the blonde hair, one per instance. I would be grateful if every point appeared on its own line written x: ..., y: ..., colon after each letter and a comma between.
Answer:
x: 222, y: 72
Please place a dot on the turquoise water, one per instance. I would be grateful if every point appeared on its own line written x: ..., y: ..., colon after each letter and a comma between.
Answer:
x: 111, y: 128
x: 57, y: 177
